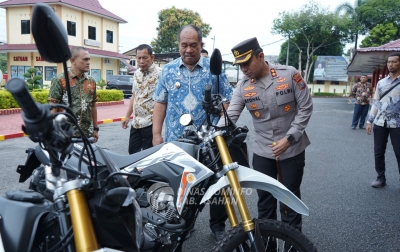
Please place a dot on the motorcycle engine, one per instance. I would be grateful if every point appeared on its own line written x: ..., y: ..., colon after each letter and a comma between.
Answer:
x: 161, y: 199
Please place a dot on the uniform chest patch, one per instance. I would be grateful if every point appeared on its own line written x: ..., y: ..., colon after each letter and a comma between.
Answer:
x: 282, y: 87
x: 286, y: 108
x: 257, y: 114
x: 281, y: 79
x: 249, y: 88
x: 254, y: 106
x: 250, y: 94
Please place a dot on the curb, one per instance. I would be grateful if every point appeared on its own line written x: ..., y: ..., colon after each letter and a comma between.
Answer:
x: 22, y: 134
x: 18, y: 110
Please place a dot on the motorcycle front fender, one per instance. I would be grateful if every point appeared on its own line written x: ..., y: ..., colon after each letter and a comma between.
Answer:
x: 250, y: 178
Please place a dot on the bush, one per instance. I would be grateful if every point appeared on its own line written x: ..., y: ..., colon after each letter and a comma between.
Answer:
x: 40, y: 95
x: 5, y: 99
x: 109, y: 95
x: 328, y: 94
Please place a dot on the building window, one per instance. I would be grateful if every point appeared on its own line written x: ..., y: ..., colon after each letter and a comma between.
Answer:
x: 92, y: 32
x: 25, y: 27
x: 71, y: 28
x: 109, y: 37
x: 50, y: 72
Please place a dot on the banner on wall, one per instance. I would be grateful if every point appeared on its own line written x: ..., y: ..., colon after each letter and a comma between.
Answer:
x: 333, y: 68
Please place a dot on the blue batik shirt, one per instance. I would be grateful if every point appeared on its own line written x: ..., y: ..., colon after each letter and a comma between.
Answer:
x: 182, y: 89
x: 386, y: 108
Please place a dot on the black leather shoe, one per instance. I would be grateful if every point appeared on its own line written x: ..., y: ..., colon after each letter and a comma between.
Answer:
x: 362, y: 127
x: 353, y: 127
x: 217, y: 235
x: 378, y: 183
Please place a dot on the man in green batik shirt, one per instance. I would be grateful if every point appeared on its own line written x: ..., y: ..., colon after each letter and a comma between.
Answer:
x: 83, y: 91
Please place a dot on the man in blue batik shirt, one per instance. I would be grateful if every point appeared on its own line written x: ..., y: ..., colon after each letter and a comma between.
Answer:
x: 179, y: 90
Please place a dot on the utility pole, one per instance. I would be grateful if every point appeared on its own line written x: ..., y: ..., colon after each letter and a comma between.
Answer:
x: 287, y: 53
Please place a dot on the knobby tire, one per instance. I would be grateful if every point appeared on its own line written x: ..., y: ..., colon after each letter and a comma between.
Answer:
x: 236, y: 239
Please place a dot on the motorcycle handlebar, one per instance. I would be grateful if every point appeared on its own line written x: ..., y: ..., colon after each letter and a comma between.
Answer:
x: 17, y: 88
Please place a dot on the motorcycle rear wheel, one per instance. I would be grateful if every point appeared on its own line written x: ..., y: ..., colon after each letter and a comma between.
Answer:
x: 287, y: 238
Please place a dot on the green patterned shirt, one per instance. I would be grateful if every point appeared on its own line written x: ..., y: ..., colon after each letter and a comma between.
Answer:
x: 83, y: 92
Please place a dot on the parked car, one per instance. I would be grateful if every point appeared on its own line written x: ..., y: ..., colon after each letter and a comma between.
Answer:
x: 120, y: 82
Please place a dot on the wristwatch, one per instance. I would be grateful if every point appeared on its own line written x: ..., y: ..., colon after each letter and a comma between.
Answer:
x: 290, y: 138
x: 96, y: 128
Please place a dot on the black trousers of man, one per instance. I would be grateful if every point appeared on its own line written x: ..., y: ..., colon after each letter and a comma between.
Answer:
x: 140, y: 139
x: 381, y: 135
x: 292, y: 174
x: 218, y: 214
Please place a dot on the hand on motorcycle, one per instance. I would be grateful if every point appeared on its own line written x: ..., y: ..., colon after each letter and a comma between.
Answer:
x: 281, y: 146
x: 157, y: 139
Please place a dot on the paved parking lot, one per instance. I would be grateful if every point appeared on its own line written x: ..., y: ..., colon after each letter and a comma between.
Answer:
x: 346, y: 213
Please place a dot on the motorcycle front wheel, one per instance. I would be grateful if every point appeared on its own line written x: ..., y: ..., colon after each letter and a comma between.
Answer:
x: 277, y: 236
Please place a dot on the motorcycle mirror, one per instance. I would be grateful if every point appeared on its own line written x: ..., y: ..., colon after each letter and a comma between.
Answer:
x: 216, y: 62
x: 50, y: 34
x: 185, y: 119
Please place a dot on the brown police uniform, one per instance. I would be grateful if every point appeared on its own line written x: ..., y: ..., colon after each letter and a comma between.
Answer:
x: 280, y: 105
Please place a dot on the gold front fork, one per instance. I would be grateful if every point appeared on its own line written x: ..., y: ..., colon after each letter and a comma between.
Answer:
x: 248, y: 224
x: 84, y: 235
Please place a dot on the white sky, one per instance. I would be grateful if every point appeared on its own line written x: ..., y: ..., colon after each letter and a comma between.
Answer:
x: 231, y: 21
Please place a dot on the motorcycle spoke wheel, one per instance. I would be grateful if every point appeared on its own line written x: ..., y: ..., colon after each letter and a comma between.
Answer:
x: 277, y: 237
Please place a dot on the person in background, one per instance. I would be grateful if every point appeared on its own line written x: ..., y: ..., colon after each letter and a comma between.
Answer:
x: 362, y: 91
x: 83, y: 91
x: 141, y: 102
x: 281, y: 106
x: 385, y: 115
x: 179, y: 90
x: 204, y: 53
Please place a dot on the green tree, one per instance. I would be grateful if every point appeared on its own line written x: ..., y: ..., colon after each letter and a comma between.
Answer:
x: 33, y: 80
x: 375, y: 12
x: 169, y: 22
x: 3, y: 62
x: 309, y: 29
x: 353, y: 12
x: 380, y: 34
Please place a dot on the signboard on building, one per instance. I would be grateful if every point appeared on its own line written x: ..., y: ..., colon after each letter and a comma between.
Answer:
x: 90, y: 42
x: 333, y: 68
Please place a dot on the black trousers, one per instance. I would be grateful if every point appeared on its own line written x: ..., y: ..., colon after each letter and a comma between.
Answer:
x: 292, y: 174
x: 218, y: 214
x: 381, y: 135
x: 140, y: 139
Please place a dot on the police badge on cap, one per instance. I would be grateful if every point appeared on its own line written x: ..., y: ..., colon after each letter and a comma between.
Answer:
x: 244, y: 50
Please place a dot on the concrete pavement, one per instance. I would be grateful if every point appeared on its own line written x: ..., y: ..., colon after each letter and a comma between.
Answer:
x: 10, y: 124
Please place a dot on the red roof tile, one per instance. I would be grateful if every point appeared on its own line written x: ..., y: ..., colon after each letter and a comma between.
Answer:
x: 391, y: 46
x: 92, y: 6
x: 32, y: 47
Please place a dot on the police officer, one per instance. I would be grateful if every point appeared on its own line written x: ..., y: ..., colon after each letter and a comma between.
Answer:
x: 280, y: 105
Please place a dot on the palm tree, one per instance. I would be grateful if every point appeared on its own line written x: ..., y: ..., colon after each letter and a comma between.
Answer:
x: 353, y: 12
